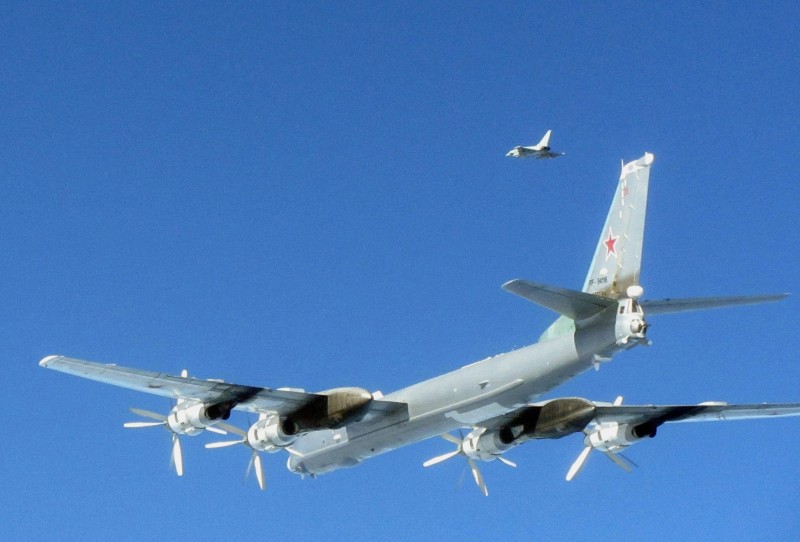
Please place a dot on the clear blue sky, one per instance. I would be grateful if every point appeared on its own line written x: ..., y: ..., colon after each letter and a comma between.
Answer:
x: 316, y: 195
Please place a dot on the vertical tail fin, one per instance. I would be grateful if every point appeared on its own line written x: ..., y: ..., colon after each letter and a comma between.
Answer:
x: 618, y: 257
x: 545, y: 142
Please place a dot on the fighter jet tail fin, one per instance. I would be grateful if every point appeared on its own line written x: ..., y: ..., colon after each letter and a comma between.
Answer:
x: 545, y: 142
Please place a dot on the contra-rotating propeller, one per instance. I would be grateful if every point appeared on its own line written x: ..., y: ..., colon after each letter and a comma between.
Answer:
x: 460, y: 450
x: 624, y: 463
x: 265, y: 435
x: 255, y: 457
x: 176, y: 456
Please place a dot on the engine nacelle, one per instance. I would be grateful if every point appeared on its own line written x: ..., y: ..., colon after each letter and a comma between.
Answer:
x: 271, y: 433
x: 334, y: 409
x: 557, y: 418
x: 554, y: 419
x: 614, y: 437
x: 484, y: 445
x: 191, y: 418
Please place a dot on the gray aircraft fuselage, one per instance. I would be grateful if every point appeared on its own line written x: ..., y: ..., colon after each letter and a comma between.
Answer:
x: 342, y: 427
x: 472, y: 394
x: 532, y: 152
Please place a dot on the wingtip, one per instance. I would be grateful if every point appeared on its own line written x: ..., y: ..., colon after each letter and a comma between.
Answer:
x: 507, y: 284
x: 45, y: 361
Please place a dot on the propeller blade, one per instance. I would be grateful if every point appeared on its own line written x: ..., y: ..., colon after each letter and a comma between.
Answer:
x: 473, y: 466
x: 618, y: 401
x: 232, y: 429
x: 450, y: 438
x: 249, y: 466
x: 135, y: 425
x: 627, y: 459
x: 508, y: 462
x: 223, y: 444
x: 440, y: 458
x: 619, y: 461
x: 259, y: 470
x: 148, y: 414
x: 476, y: 474
x: 216, y: 430
x: 461, y: 477
x: 177, y: 455
x: 579, y: 463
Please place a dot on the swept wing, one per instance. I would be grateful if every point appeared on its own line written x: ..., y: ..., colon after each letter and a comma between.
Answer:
x: 247, y: 398
x: 607, y: 427
x: 703, y: 412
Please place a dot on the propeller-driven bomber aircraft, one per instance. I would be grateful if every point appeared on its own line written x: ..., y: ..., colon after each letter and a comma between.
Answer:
x: 494, y: 399
x: 541, y: 150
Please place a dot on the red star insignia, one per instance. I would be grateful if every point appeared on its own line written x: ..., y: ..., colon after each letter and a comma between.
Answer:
x: 611, y: 244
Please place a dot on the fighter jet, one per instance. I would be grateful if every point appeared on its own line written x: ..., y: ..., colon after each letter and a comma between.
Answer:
x: 540, y: 150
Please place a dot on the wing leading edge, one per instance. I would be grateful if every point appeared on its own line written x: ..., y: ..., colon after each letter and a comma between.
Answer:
x: 247, y: 398
x: 703, y: 412
x: 570, y: 303
x: 579, y: 305
x: 667, y: 306
x: 595, y: 412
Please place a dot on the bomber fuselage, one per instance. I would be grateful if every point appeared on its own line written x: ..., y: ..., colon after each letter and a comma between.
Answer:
x: 469, y: 395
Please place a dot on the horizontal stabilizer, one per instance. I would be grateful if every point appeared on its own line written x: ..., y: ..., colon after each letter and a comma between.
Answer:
x: 666, y: 306
x: 570, y: 303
